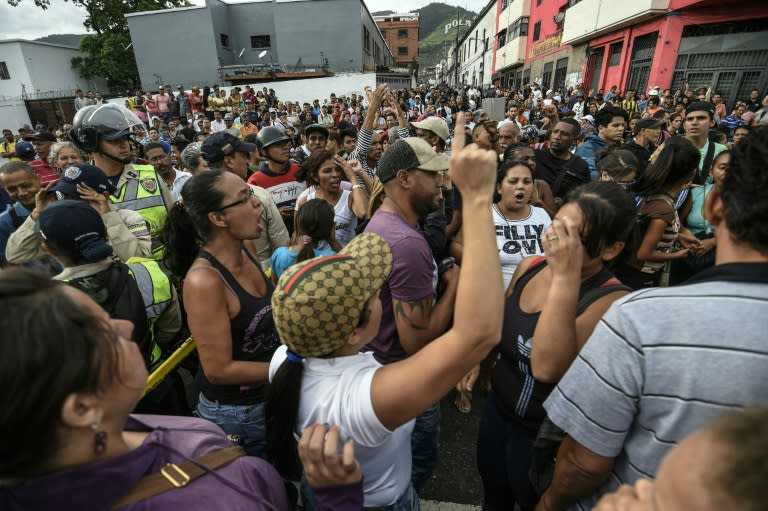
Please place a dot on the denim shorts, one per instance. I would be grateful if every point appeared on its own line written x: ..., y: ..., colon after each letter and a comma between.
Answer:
x: 246, y: 422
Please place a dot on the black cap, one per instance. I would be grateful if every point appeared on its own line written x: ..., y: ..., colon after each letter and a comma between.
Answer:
x: 40, y: 136
x: 701, y: 106
x: 221, y: 144
x: 89, y: 175
x: 317, y: 127
x: 649, y: 124
x: 75, y: 228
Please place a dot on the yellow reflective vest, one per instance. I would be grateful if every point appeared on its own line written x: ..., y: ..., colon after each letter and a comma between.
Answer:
x: 139, y: 190
x: 156, y: 293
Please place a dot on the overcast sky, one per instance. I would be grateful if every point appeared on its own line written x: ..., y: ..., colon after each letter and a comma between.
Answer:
x: 30, y: 22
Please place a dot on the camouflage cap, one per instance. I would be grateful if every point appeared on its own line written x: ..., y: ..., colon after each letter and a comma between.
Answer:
x: 318, y: 303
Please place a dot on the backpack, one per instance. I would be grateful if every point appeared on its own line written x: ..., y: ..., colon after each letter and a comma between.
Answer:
x: 16, y: 219
x: 117, y: 293
x: 550, y: 436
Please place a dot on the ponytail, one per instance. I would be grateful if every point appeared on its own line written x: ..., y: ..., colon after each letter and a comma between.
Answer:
x: 314, y: 223
x: 181, y: 241
x: 282, y: 410
x: 187, y: 226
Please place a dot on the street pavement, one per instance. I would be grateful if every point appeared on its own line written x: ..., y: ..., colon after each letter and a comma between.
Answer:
x: 456, y: 485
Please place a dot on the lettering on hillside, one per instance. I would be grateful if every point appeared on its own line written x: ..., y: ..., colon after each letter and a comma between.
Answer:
x: 457, y: 23
x: 521, y: 238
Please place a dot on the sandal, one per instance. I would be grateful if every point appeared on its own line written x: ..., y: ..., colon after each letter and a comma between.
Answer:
x: 463, y: 402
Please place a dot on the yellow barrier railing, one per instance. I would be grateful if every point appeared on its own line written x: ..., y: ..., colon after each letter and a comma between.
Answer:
x: 169, y: 364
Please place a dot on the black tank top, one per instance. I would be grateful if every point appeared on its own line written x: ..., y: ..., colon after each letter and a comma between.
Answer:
x: 254, y: 337
x: 519, y: 396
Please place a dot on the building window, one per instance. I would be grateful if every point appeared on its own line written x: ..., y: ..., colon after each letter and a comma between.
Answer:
x: 546, y: 77
x: 402, y: 33
x: 537, y: 31
x: 538, y: 2
x: 261, y: 41
x: 366, y: 40
x: 571, y: 3
x: 502, y: 38
x: 4, y: 75
x: 224, y: 40
x: 384, y: 34
x: 402, y: 50
x: 615, y: 55
x: 504, y: 4
x: 518, y: 29
x: 561, y: 69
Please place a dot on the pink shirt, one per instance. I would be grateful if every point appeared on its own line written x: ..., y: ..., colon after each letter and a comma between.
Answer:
x: 162, y: 103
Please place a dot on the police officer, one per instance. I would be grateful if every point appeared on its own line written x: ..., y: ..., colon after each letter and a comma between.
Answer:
x: 140, y: 291
x: 127, y: 231
x: 103, y: 131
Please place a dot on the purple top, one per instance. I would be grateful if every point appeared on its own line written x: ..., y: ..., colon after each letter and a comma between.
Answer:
x: 247, y: 483
x: 413, y: 277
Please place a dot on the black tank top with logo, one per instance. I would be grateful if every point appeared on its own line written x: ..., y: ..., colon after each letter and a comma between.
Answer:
x: 519, y: 396
x: 254, y: 337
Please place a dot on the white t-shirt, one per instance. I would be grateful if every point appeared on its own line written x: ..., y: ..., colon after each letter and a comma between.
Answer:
x: 518, y: 239
x: 338, y: 391
x: 344, y: 219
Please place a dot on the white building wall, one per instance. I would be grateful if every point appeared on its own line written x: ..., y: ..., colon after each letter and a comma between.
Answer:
x: 39, y: 68
x: 476, y: 49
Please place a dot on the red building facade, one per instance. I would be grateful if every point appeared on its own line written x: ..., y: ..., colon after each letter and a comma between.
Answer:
x: 707, y: 43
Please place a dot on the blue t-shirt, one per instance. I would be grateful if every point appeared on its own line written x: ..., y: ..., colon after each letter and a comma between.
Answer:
x: 284, y: 257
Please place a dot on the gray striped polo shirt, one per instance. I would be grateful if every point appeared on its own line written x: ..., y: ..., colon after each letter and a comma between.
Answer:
x: 663, y: 363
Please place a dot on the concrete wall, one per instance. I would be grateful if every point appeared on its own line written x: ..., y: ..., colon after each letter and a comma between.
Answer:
x: 177, y: 45
x: 308, y: 90
x: 11, y: 54
x: 184, y: 45
x: 44, y: 70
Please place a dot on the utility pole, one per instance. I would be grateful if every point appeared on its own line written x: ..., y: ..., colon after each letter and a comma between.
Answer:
x: 456, y: 49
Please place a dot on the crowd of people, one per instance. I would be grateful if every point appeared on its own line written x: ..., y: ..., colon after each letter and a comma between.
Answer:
x: 342, y: 265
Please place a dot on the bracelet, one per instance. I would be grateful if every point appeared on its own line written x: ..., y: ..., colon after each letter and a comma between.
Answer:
x: 357, y: 186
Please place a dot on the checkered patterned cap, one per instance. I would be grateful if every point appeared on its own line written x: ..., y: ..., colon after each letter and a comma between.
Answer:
x: 318, y: 303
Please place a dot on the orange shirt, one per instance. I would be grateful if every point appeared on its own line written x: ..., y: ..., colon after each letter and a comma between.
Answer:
x: 248, y: 130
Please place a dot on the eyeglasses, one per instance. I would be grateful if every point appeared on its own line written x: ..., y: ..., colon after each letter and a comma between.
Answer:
x: 245, y: 200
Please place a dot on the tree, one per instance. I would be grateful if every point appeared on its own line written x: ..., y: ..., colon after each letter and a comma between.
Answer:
x: 107, y: 51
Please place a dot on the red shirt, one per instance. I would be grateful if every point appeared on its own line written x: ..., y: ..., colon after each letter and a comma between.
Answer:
x: 284, y: 188
x: 45, y: 172
x: 196, y: 102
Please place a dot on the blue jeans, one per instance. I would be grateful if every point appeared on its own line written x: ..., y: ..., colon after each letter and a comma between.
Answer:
x: 503, y: 460
x: 245, y: 421
x: 424, y: 446
x: 408, y: 501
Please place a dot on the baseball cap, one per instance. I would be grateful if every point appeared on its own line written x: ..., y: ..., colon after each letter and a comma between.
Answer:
x: 24, y: 149
x: 434, y: 124
x: 318, y: 303
x: 228, y: 117
x: 588, y: 118
x: 41, y: 136
x: 221, y: 144
x: 89, y: 175
x: 698, y: 106
x: 649, y: 124
x: 75, y: 227
x: 407, y: 154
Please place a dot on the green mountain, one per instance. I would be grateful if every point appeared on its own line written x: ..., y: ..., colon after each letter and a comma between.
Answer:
x: 63, y: 39
x: 434, y: 41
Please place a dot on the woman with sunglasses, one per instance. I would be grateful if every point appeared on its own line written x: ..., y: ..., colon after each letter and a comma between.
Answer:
x: 618, y: 166
x: 227, y: 299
